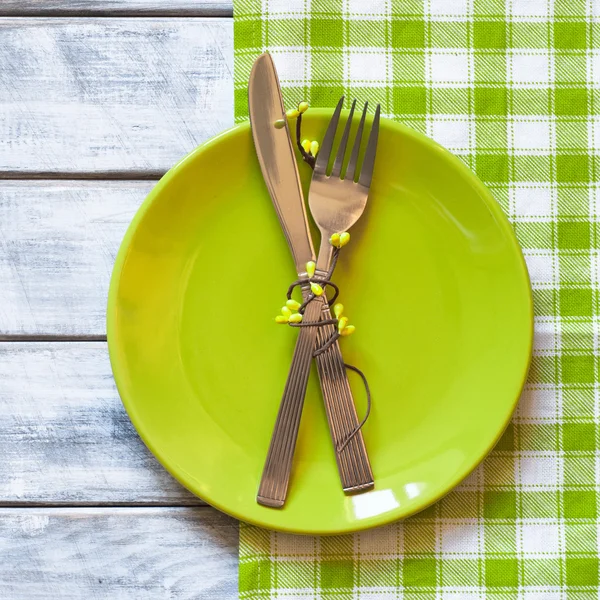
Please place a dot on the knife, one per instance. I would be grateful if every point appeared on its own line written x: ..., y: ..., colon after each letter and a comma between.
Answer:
x: 278, y: 164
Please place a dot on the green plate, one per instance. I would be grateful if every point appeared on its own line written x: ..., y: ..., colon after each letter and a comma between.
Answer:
x: 433, y: 279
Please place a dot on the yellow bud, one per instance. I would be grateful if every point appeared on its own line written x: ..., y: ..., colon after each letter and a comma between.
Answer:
x: 344, y: 238
x: 279, y: 124
x: 281, y: 319
x: 286, y: 312
x: 310, y: 268
x: 292, y: 304
x: 314, y: 148
x: 306, y: 145
x: 348, y: 330
x: 316, y: 289
x: 292, y: 113
x: 296, y: 318
x: 338, y: 310
x: 302, y: 107
x: 342, y: 324
x: 334, y: 240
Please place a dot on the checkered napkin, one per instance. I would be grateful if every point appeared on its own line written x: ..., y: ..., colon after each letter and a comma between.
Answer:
x: 513, y: 89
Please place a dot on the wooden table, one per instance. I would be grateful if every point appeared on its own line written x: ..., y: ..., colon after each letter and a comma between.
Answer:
x: 98, y: 98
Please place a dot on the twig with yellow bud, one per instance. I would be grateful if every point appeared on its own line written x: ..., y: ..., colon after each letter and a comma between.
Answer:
x: 308, y: 148
x: 343, y: 327
x: 292, y: 312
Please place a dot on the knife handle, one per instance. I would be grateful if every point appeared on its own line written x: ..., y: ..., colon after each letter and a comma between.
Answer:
x: 275, y: 478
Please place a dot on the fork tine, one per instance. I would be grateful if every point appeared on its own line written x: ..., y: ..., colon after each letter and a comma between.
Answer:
x: 327, y: 145
x: 339, y: 159
x: 351, y: 170
x: 366, y: 172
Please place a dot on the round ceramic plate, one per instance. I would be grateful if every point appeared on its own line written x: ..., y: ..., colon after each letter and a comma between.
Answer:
x: 433, y: 279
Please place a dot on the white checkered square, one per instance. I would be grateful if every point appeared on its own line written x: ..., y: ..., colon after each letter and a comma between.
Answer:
x: 368, y: 65
x: 372, y: 8
x: 538, y: 402
x: 452, y: 133
x: 529, y: 8
x: 546, y: 336
x: 379, y: 542
x: 461, y: 539
x: 291, y: 65
x: 531, y: 200
x: 594, y: 132
x: 542, y: 267
x: 539, y: 539
x: 449, y: 8
x: 538, y: 471
x: 531, y: 135
x: 284, y: 7
x: 450, y: 67
x: 547, y: 594
x: 529, y: 69
x: 595, y: 260
x: 593, y: 67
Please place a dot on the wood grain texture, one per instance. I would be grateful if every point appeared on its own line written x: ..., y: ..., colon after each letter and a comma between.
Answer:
x: 117, y: 554
x: 110, y: 95
x: 58, y: 242
x: 88, y: 8
x: 65, y: 437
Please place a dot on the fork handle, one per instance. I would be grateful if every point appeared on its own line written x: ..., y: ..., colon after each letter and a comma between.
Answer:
x: 353, y: 462
x: 275, y: 478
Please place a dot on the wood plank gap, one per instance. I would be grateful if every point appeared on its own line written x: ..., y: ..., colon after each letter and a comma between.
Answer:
x: 222, y: 12
x: 37, y: 337
x: 198, y: 503
x: 82, y: 176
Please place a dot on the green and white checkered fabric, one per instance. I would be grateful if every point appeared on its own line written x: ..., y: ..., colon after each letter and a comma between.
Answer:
x: 513, y: 88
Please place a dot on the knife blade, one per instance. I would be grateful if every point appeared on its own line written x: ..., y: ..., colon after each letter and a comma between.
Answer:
x: 277, y: 159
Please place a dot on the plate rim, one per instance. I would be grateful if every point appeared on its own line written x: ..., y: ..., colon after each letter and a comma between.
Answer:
x: 111, y: 328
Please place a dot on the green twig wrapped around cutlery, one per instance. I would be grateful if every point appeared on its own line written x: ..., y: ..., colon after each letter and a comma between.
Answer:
x: 293, y: 311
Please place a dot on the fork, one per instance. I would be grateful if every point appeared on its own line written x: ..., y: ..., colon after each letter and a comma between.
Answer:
x: 336, y: 204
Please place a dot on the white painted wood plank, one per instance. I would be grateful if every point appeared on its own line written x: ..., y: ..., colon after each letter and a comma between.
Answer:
x: 106, y: 95
x: 58, y: 242
x: 116, y: 7
x: 65, y: 437
x: 117, y: 554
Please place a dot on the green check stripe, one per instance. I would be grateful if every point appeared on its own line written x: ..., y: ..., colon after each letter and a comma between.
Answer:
x: 513, y: 88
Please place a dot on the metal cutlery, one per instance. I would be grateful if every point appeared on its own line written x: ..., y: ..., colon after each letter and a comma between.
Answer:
x: 276, y: 157
x: 336, y: 203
